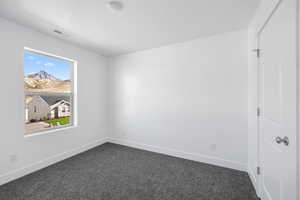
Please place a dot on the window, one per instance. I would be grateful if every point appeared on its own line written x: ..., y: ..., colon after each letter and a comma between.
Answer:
x: 49, y: 91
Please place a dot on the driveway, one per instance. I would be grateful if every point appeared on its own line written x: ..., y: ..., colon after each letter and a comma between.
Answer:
x: 36, y: 126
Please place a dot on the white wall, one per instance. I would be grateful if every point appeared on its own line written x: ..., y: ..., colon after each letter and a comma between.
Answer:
x: 36, y: 151
x: 298, y: 136
x: 187, y: 99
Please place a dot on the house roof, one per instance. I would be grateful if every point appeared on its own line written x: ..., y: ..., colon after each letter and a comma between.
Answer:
x: 30, y: 98
x: 51, y: 100
x: 59, y: 103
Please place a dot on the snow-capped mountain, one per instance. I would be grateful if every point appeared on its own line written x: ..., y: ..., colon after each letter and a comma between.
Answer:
x: 42, y: 75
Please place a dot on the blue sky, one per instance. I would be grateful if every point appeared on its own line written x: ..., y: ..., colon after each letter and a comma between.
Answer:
x: 56, y: 67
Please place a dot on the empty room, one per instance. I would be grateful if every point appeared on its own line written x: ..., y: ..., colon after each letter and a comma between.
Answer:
x: 150, y: 100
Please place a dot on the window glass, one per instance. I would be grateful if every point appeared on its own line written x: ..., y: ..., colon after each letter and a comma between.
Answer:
x: 48, y: 87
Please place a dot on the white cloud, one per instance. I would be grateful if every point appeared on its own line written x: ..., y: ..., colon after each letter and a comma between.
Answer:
x: 49, y: 64
x: 38, y: 62
x: 31, y: 58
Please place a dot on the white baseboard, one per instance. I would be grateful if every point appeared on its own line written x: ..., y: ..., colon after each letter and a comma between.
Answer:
x: 10, y: 176
x: 189, y: 156
x: 253, y: 179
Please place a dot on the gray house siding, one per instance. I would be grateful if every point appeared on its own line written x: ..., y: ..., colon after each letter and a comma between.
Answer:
x: 37, y: 109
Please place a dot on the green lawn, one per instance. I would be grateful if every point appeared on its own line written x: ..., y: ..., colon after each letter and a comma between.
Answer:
x: 62, y: 121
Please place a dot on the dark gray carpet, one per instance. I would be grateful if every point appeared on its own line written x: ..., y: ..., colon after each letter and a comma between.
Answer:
x: 111, y: 172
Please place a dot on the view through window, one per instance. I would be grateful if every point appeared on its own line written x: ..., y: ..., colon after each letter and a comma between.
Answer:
x: 48, y: 85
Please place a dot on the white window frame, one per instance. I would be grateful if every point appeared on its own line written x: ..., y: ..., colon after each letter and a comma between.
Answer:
x: 72, y: 95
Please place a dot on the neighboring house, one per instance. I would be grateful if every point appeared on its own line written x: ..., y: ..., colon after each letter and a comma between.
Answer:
x: 36, y: 109
x: 47, y: 107
x: 60, y: 109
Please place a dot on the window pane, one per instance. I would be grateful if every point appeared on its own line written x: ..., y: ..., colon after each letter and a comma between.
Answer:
x: 45, y: 112
x: 46, y: 74
x: 48, y: 92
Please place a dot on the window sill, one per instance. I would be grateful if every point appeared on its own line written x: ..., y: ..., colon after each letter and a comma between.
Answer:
x: 49, y: 131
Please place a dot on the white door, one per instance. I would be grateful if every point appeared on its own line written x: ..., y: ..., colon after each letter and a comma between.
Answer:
x: 277, y: 101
